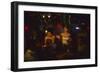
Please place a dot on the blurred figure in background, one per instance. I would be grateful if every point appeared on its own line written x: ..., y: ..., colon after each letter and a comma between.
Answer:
x: 65, y: 36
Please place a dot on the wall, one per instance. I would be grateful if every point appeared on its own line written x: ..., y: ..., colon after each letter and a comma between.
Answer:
x: 5, y: 35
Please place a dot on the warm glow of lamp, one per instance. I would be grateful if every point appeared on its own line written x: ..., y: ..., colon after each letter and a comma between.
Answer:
x: 49, y: 16
x: 46, y: 31
x: 43, y: 16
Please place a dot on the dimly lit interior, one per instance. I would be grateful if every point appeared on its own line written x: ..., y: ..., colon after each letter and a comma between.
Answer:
x: 56, y: 36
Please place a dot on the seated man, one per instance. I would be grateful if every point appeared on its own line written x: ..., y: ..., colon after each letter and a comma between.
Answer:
x: 49, y: 39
